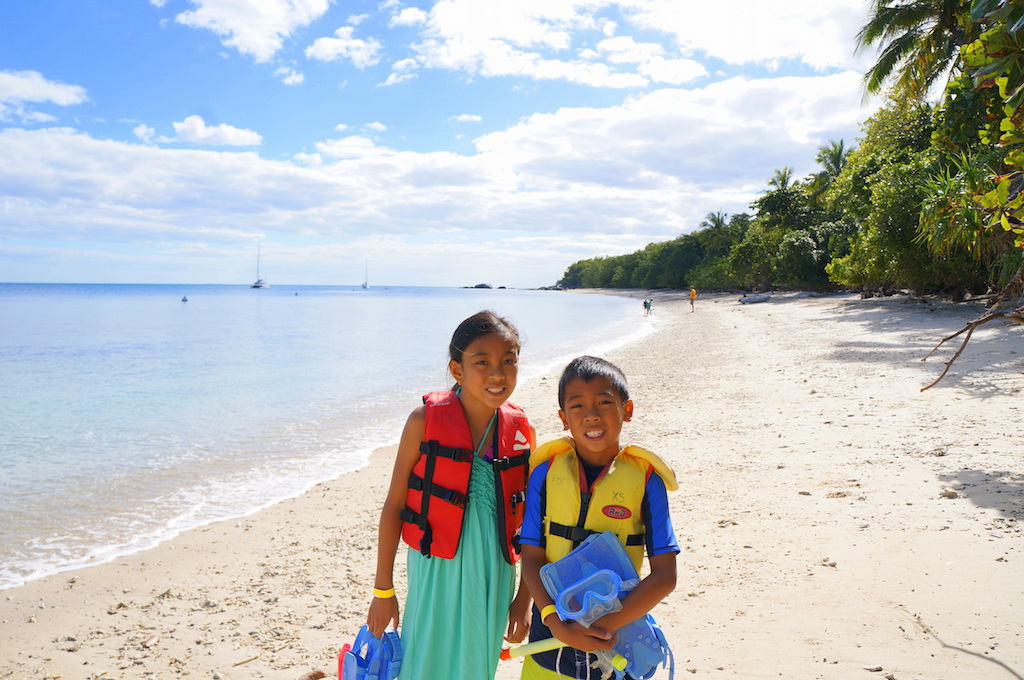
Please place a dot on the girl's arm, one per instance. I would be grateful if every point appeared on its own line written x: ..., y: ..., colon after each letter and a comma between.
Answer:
x: 654, y: 588
x: 520, y: 613
x: 385, y: 610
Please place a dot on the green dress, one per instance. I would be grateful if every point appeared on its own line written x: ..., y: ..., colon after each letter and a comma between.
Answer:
x: 457, y: 609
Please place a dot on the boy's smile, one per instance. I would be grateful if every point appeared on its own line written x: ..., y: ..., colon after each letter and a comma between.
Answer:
x: 594, y: 412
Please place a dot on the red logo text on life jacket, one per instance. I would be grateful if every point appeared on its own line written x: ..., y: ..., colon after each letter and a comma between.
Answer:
x: 616, y: 512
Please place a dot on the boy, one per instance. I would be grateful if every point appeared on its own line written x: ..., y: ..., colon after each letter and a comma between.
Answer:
x: 585, y: 484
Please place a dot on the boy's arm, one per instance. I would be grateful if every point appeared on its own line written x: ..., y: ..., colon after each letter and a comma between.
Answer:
x: 651, y: 590
x: 569, y: 632
x: 662, y: 549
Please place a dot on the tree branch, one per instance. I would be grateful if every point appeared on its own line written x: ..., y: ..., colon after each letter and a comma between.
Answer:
x: 1016, y: 314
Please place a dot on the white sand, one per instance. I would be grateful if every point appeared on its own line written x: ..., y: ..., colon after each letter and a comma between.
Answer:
x: 817, y: 537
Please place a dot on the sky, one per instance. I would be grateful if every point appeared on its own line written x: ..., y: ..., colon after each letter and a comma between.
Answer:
x: 447, y: 143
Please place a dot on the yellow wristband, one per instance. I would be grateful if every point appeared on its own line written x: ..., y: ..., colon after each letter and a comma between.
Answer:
x: 550, y: 609
x: 384, y: 594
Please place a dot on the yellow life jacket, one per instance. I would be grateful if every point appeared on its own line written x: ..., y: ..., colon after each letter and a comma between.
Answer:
x: 613, y: 503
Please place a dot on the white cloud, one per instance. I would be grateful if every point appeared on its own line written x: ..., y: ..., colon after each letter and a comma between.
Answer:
x: 533, y: 39
x: 650, y: 60
x: 672, y: 71
x: 18, y: 88
x: 194, y: 129
x: 289, y: 76
x: 144, y: 132
x: 401, y: 71
x: 362, y: 53
x: 354, y: 146
x: 394, y: 78
x: 728, y: 134
x: 409, y: 16
x: 527, y: 39
x: 311, y: 159
x: 467, y: 118
x: 254, y: 27
x: 819, y: 34
x: 376, y: 126
x: 624, y: 49
x: 356, y: 19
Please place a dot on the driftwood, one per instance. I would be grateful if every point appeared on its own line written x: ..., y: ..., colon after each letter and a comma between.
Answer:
x: 993, y: 312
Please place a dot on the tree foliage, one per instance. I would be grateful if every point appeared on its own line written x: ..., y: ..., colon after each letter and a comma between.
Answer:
x: 930, y: 199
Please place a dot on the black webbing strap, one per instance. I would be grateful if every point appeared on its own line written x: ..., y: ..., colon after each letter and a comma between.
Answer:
x: 585, y: 498
x: 428, y: 533
x: 407, y: 515
x: 578, y: 534
x: 435, y: 448
x: 510, y: 462
x: 447, y: 495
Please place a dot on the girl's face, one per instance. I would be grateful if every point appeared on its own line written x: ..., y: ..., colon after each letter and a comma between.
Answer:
x: 488, y: 370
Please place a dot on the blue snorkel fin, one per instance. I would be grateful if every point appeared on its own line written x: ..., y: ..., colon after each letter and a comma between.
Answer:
x: 590, y: 582
x: 371, y: 658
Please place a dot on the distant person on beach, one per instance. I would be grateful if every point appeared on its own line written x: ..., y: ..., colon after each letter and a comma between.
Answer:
x: 693, y: 297
x: 470, y: 448
x: 627, y: 495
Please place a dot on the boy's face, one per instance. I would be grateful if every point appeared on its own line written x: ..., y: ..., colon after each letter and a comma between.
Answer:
x: 593, y: 414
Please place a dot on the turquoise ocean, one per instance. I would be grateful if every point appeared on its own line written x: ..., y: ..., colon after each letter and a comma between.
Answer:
x: 130, y: 415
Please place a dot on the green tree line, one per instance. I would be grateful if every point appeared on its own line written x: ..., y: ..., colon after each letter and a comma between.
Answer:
x: 931, y: 199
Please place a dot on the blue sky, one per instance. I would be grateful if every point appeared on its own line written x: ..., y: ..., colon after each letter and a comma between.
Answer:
x: 448, y: 143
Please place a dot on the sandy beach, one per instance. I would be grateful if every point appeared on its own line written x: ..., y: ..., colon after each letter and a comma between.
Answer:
x: 835, y: 521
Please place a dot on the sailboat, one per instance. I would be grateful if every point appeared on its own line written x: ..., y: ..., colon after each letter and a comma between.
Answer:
x: 260, y: 283
x: 366, y: 276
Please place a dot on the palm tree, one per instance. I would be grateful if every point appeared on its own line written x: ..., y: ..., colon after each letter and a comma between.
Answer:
x: 781, y: 179
x: 832, y: 159
x: 714, y: 232
x: 919, y: 39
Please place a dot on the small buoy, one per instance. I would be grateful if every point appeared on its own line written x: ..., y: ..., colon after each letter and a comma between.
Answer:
x: 184, y: 299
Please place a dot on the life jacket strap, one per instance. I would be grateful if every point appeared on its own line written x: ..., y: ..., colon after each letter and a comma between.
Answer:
x: 435, y: 448
x: 408, y: 515
x: 447, y: 495
x: 510, y: 462
x: 579, y: 534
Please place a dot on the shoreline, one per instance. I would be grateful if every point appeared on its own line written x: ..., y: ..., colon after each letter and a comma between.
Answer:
x: 831, y: 517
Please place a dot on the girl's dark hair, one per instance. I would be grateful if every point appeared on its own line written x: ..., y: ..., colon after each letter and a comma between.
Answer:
x: 479, y: 325
x: 588, y: 368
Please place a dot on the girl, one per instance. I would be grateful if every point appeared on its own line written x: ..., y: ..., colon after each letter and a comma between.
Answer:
x: 456, y: 498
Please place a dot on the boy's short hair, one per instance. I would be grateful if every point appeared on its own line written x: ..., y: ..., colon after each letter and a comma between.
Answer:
x: 588, y: 368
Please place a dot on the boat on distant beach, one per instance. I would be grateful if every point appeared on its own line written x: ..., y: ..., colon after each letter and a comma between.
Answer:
x: 260, y: 283
x: 751, y: 299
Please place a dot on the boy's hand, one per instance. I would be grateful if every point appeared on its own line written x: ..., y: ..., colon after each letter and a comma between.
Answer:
x: 585, y: 639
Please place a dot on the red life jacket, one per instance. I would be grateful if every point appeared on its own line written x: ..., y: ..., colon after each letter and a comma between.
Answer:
x: 432, y: 522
